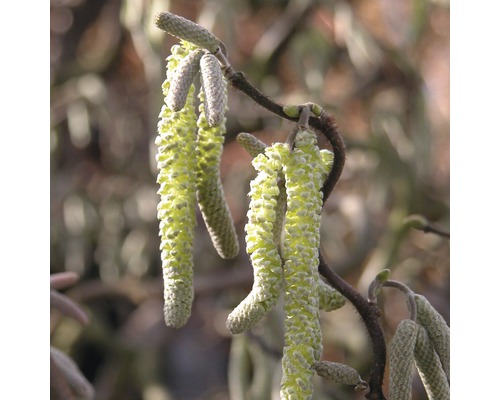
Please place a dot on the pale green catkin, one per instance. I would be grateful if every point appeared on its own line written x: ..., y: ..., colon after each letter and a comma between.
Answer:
x: 339, y: 373
x: 401, y: 360
x: 430, y: 369
x: 261, y: 246
x: 176, y: 210
x: 210, y: 193
x: 187, y: 30
x: 437, y: 329
x: 329, y: 298
x: 251, y: 144
x: 183, y: 79
x: 214, y: 87
x: 327, y: 159
x: 304, y: 172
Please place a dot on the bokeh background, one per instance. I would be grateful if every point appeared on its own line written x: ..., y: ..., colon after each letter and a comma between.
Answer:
x: 381, y: 67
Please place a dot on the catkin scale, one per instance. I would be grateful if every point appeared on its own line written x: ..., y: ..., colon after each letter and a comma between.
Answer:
x: 187, y: 30
x: 401, y: 360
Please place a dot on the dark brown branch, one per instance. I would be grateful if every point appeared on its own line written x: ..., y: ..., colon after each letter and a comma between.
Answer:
x: 422, y: 224
x: 370, y: 316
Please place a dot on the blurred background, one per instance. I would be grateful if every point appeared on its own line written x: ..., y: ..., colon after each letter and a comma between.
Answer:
x: 381, y: 67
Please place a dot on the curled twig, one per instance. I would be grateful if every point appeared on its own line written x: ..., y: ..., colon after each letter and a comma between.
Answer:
x: 422, y: 224
x: 378, y: 283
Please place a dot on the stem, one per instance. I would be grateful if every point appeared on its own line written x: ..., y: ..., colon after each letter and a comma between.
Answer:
x: 412, y: 305
x: 326, y: 125
x: 370, y: 316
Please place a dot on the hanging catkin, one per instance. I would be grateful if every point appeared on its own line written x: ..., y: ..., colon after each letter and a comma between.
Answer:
x: 210, y: 193
x: 176, y: 209
x: 401, y: 360
x: 303, y: 171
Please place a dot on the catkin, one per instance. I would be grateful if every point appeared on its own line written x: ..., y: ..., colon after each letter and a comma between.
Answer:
x: 261, y: 246
x: 430, y: 369
x: 214, y: 88
x: 176, y: 209
x: 185, y: 29
x: 183, y: 79
x: 210, y: 193
x: 339, y: 373
x: 329, y: 298
x: 303, y: 171
x: 251, y: 144
x: 401, y: 360
x: 437, y: 329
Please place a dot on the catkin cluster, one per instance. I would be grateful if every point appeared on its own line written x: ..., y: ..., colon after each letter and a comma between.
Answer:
x: 189, y: 150
x: 425, y: 342
x: 282, y: 239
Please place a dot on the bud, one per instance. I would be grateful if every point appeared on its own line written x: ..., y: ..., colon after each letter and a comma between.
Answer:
x: 292, y: 111
x: 383, y: 275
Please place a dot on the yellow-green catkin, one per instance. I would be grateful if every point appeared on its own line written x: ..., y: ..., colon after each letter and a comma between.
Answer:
x: 430, y: 369
x: 401, y: 360
x: 261, y: 243
x: 437, y: 329
x: 304, y: 173
x: 251, y: 144
x: 176, y: 143
x: 329, y: 298
x: 210, y: 193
